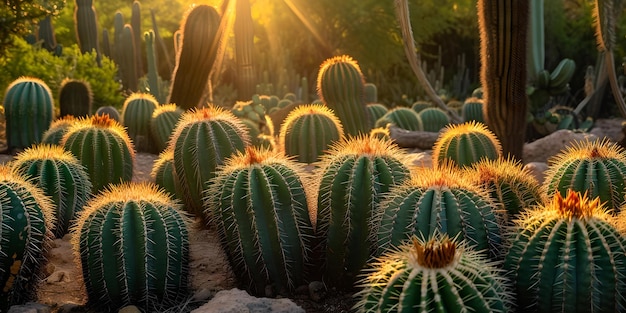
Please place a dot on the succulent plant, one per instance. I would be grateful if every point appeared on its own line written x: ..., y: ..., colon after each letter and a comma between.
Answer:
x: 435, y: 275
x: 111, y: 111
x: 162, y: 124
x: 375, y: 111
x: 433, y: 119
x: 465, y: 144
x: 259, y: 204
x: 136, y: 116
x: 75, y: 98
x: 61, y: 177
x: 418, y: 106
x: 402, y: 117
x: 164, y: 176
x: 308, y: 131
x: 57, y: 130
x: 597, y: 167
x: 472, y: 110
x: 567, y: 256
x: 352, y: 178
x: 132, y: 244
x: 86, y: 25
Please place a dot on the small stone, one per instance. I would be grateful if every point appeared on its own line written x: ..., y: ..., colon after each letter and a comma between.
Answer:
x: 203, y: 295
x: 70, y: 307
x: 269, y: 291
x: 129, y: 309
x: 317, y: 290
x: 59, y: 277
x: 30, y: 307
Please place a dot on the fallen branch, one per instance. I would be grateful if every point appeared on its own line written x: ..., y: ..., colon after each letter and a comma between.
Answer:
x: 413, y: 139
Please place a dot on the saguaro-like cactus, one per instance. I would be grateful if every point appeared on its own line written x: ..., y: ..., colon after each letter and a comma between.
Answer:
x: 75, y: 98
x: 29, y: 109
x: 465, y: 144
x: 133, y: 246
x: 136, y: 116
x: 260, y: 206
x: 61, y: 176
x: 162, y: 124
x: 27, y: 217
x: 86, y: 25
x: 438, y: 275
x: 566, y: 256
x: 340, y: 85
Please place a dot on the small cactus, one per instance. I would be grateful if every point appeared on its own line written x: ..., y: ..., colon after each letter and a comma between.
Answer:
x: 472, y: 110
x: 57, y: 130
x: 465, y: 144
x: 111, y: 111
x: 164, y: 176
x: 163, y: 122
x: 402, y: 117
x: 375, y: 111
x: 433, y: 119
x: 136, y: 116
x: 75, y: 98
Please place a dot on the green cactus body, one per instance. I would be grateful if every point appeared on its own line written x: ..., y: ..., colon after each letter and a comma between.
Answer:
x: 308, y: 131
x: 198, y: 52
x: 75, y: 98
x: 57, y: 130
x: 566, y: 256
x: 440, y: 200
x: 163, y: 123
x: 62, y: 178
x: 46, y: 34
x: 259, y: 204
x: 111, y: 111
x: 244, y: 50
x: 154, y: 81
x: 136, y: 117
x: 164, y: 175
x: 27, y: 217
x: 375, y: 111
x: 472, y: 110
x: 29, y: 109
x: 127, y: 62
x: 418, y: 106
x: 352, y: 179
x: 402, y: 117
x: 370, y: 92
x: 340, y: 84
x: 465, y: 144
x: 597, y: 167
x: 202, y: 140
x: 439, y: 275
x: 132, y: 242
x: 135, y: 22
x: 103, y: 148
x: 86, y: 28
x: 433, y: 119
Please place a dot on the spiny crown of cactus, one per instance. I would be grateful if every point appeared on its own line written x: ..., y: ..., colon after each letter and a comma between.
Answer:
x: 46, y: 151
x: 210, y: 113
x: 575, y: 205
x: 101, y: 122
x: 13, y: 177
x: 251, y: 156
x: 434, y: 253
x: 597, y: 149
x: 62, y: 121
x: 452, y: 131
x: 445, y: 176
x: 29, y: 79
x: 165, y: 108
x: 338, y: 60
x: 166, y: 156
x: 366, y: 145
x: 140, y: 96
x: 311, y: 109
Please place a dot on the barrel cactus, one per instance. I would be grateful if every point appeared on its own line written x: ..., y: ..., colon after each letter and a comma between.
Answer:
x: 340, y: 85
x: 308, y: 131
x: 465, y: 144
x: 259, y: 204
x: 57, y: 130
x: 164, y: 176
x: 136, y: 116
x: 433, y: 119
x: 567, y: 256
x: 27, y: 218
x: 440, y: 200
x: 597, y: 167
x: 163, y: 122
x: 472, y: 110
x: 353, y: 177
x: 435, y: 275
x: 103, y: 148
x: 375, y: 111
x: 29, y: 110
x: 111, y: 111
x: 202, y: 140
x: 402, y: 117
x: 75, y: 97
x: 62, y: 178
x: 132, y: 244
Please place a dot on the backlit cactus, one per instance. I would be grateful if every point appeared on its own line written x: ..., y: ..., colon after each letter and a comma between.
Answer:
x: 308, y: 131
x: 260, y: 206
x: 202, y: 140
x: 566, y: 256
x: 57, y: 130
x: 29, y: 110
x: 472, y: 110
x: 597, y: 167
x: 132, y: 245
x: 103, y: 147
x: 353, y: 177
x: 340, y: 85
x: 61, y: 177
x: 86, y: 27
x: 402, y: 117
x: 465, y: 144
x: 437, y: 275
x: 163, y: 174
x: 440, y: 200
x: 162, y: 124
x: 27, y: 218
x: 375, y: 111
x: 75, y: 98
x: 433, y: 119
x: 136, y: 116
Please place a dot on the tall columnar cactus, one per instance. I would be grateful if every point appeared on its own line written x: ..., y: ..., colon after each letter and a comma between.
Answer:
x: 125, y: 51
x: 86, y: 26
x: 472, y: 110
x: 437, y: 275
x: 260, y: 206
x: 440, y: 200
x: 136, y: 117
x: 244, y: 50
x: 465, y: 144
x: 340, y: 85
x: 164, y: 176
x: 62, y: 178
x: 103, y: 147
x: 154, y: 81
x: 46, y: 34
x: 566, y: 256
x: 198, y: 51
x: 27, y: 217
x: 370, y: 92
x: 202, y: 140
x: 402, y: 117
x: 308, y: 131
x: 597, y: 167
x: 162, y: 124
x: 75, y: 98
x: 135, y: 22
x: 132, y: 243
x: 353, y: 177
x: 375, y: 111
x: 29, y: 109
x: 57, y: 130
x: 433, y: 119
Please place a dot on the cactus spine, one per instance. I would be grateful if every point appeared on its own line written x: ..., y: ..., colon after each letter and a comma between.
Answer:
x: 163, y: 122
x: 103, y: 147
x: 465, y: 144
x: 87, y: 27
x: 472, y: 110
x: 126, y: 56
x: 136, y: 116
x: 164, y: 175
x: 402, y: 117
x: 29, y: 109
x: 308, y: 131
x: 437, y: 275
x: 62, y: 178
x: 132, y: 242
x: 260, y: 206
x: 340, y: 85
x: 75, y: 98
x: 566, y: 256
x: 57, y: 130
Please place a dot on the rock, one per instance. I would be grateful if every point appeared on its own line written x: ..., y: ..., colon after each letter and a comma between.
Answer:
x: 30, y: 307
x: 608, y: 128
x: 239, y: 301
x: 544, y: 148
x: 203, y: 294
x: 129, y: 309
x: 317, y: 290
x: 70, y: 308
x: 537, y: 169
x: 59, y: 277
